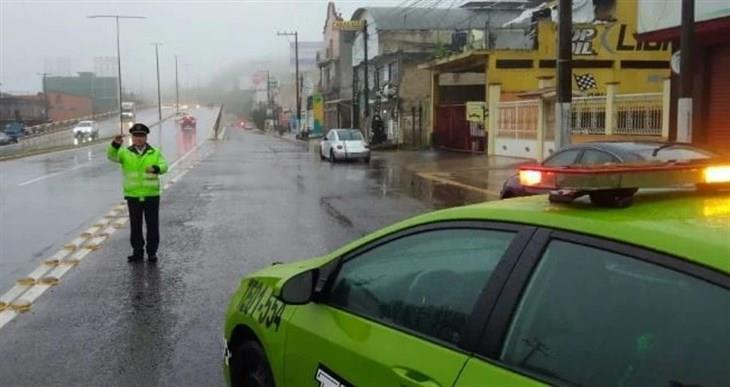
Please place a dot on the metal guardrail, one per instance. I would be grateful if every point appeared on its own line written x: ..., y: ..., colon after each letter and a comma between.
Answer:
x: 639, y: 114
x: 42, y: 129
x: 588, y: 115
x: 633, y: 115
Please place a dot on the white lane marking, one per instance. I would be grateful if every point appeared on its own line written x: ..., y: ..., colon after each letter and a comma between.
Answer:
x: 14, y: 292
x: 103, y: 222
x: 56, y: 258
x: 121, y: 222
x: 50, y: 175
x: 91, y: 231
x: 108, y: 231
x: 33, y: 294
x: 95, y: 243
x: 74, y: 258
x: 6, y: 316
x: 75, y: 244
x: 40, y: 271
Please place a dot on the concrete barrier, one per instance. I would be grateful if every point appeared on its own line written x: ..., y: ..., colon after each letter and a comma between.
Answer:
x: 56, y: 139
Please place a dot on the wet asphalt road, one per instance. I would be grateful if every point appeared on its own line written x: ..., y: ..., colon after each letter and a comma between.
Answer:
x: 255, y: 200
x: 47, y: 200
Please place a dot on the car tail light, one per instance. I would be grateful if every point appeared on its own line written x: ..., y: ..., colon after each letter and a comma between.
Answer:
x: 717, y: 174
x: 530, y: 178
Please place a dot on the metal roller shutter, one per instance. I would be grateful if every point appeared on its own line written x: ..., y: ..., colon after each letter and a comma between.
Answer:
x: 718, y: 101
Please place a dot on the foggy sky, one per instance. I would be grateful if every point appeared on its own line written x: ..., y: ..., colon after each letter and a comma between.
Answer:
x: 206, y: 35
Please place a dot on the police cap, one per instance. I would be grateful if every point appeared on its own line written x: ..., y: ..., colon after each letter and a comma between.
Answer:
x: 139, y: 129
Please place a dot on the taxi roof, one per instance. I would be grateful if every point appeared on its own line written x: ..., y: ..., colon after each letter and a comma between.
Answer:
x: 684, y: 223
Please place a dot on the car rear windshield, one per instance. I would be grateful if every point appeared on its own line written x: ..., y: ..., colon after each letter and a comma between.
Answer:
x: 84, y: 124
x: 676, y: 153
x: 349, y: 135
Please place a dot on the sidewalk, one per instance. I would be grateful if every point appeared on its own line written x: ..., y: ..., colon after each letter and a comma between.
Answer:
x: 479, y: 175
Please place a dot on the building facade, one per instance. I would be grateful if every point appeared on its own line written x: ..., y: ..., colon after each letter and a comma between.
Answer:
x: 102, y: 90
x: 30, y: 109
x: 335, y: 72
x: 63, y: 106
x: 398, y: 41
x: 711, y: 65
x: 518, y: 58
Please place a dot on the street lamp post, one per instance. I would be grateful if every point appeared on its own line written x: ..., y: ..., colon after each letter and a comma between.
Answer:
x: 159, y: 95
x: 119, y: 60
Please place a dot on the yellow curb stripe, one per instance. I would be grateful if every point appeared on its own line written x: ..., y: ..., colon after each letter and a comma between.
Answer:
x: 442, y: 180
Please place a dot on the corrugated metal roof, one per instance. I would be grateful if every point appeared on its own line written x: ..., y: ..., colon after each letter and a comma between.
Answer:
x: 399, y: 18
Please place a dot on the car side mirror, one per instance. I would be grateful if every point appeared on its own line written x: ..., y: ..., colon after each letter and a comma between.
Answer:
x: 298, y: 290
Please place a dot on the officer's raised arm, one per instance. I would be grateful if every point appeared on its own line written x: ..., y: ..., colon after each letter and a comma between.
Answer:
x: 112, y: 151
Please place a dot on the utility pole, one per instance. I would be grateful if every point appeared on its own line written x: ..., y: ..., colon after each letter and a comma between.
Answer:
x: 159, y: 94
x: 296, y: 73
x: 177, y: 90
x: 686, y: 47
x: 119, y: 61
x: 564, y: 69
x: 365, y: 63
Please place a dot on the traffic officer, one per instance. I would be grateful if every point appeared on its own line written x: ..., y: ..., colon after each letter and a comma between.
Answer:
x: 142, y: 166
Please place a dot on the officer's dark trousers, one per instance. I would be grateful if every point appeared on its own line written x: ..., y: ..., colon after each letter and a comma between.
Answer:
x: 149, y: 208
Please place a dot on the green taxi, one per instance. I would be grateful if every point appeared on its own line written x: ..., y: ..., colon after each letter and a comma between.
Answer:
x: 521, y: 292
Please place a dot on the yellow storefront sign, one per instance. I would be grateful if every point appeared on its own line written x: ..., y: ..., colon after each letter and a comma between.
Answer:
x: 349, y: 25
x: 475, y: 111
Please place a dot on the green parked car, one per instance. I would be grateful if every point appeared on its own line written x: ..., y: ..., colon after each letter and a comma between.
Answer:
x: 520, y: 292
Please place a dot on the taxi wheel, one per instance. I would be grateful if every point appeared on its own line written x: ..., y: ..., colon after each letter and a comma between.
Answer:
x: 249, y: 366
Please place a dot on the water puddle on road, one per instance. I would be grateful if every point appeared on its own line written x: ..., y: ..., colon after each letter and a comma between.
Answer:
x: 394, y: 180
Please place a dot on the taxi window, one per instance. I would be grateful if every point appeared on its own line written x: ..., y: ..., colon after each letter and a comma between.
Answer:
x: 593, y: 317
x: 426, y: 282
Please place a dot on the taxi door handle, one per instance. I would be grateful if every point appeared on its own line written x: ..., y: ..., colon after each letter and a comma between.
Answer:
x: 414, y: 378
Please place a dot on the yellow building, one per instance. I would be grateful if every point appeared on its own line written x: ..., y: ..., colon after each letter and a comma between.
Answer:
x: 605, y: 52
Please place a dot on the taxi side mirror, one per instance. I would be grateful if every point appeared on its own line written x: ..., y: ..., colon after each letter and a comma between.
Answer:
x: 298, y: 290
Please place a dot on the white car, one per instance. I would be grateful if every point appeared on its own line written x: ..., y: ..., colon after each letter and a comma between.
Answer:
x: 86, y: 131
x: 344, y: 144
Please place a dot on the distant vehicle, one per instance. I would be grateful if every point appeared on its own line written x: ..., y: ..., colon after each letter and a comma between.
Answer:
x: 344, y: 144
x: 188, y: 122
x: 128, y: 111
x: 5, y: 139
x: 86, y: 131
x: 15, y: 130
x: 593, y: 154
